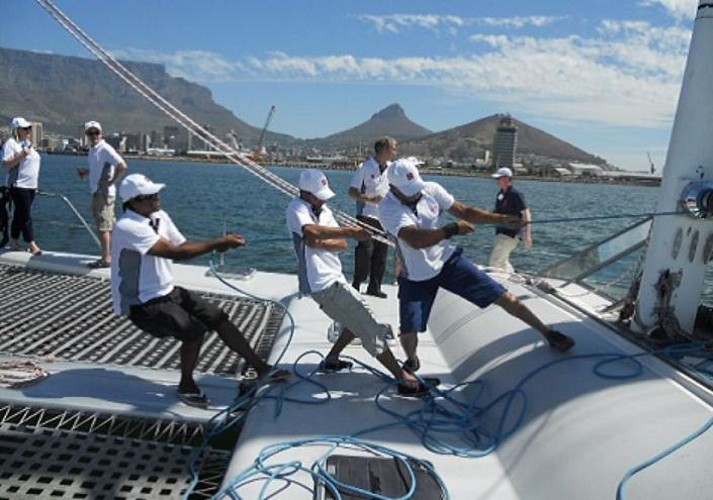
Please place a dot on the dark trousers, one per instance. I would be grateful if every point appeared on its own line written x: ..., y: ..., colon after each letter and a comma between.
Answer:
x: 370, y: 258
x: 22, y: 198
x: 4, y: 224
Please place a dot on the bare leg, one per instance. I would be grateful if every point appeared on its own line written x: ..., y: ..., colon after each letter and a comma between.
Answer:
x: 343, y: 341
x: 516, y: 308
x: 105, y: 237
x: 409, y: 341
x: 235, y: 340
x: 387, y: 359
x: 189, y: 360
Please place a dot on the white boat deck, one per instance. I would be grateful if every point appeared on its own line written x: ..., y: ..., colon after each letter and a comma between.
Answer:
x: 580, y: 433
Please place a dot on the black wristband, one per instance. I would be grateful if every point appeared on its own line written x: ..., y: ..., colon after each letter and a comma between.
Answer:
x: 450, y: 230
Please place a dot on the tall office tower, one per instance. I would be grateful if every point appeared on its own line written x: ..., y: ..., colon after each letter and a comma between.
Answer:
x: 38, y: 133
x: 504, y: 143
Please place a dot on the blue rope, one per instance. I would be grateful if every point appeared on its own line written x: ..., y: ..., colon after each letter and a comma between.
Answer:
x: 620, y: 491
x: 444, y: 424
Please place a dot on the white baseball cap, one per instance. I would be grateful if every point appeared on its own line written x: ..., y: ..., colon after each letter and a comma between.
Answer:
x: 20, y: 122
x: 314, y: 181
x: 92, y: 124
x: 404, y: 176
x: 502, y: 172
x: 138, y: 185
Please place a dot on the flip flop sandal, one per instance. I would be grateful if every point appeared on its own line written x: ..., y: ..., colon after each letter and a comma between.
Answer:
x: 194, y: 399
x: 418, y: 391
x: 329, y: 366
x: 275, y: 376
x: 98, y: 264
x: 559, y: 341
x: 412, y: 365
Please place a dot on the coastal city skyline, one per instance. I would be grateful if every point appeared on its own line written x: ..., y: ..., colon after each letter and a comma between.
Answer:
x: 604, y: 76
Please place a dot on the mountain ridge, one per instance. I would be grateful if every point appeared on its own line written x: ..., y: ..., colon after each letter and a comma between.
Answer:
x: 64, y: 91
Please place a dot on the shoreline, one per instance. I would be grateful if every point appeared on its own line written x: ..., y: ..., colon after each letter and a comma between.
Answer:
x: 451, y: 172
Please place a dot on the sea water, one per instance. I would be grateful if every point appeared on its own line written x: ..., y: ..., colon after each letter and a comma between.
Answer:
x: 204, y: 199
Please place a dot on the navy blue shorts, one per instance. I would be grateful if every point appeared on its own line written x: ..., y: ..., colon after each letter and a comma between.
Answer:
x: 459, y: 276
x: 181, y: 314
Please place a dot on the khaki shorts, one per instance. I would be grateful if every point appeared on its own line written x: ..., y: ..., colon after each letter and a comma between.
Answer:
x: 344, y: 304
x: 103, y: 211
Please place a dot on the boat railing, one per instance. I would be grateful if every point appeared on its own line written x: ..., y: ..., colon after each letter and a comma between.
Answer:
x: 71, y: 206
x: 584, y: 264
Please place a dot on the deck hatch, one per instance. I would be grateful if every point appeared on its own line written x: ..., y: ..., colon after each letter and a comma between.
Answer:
x: 70, y: 317
x: 66, y: 454
x: 381, y: 475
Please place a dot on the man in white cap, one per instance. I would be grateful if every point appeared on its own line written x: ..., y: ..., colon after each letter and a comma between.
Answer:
x: 509, y: 201
x: 317, y: 240
x: 144, y: 243
x: 368, y: 187
x: 411, y: 212
x: 106, y: 168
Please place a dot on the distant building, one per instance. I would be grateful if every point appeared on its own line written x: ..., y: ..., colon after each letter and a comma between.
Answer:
x: 585, y: 169
x: 38, y: 133
x: 504, y: 143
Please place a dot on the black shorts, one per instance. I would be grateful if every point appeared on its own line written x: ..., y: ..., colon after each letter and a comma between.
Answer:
x: 181, y: 314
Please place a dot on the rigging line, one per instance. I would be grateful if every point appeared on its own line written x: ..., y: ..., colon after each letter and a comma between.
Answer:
x: 605, y: 217
x: 127, y: 75
x: 181, y: 118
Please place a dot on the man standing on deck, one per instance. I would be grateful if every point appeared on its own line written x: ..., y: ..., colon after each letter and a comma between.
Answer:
x: 411, y: 212
x: 509, y: 201
x: 145, y: 240
x: 369, y: 185
x: 318, y: 239
x: 106, y: 167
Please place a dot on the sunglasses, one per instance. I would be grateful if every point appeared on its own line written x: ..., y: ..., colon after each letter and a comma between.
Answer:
x: 144, y: 197
x: 92, y: 132
x: 26, y: 128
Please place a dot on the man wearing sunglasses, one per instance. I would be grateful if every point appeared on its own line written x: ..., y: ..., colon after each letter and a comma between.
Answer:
x: 144, y: 244
x: 106, y: 168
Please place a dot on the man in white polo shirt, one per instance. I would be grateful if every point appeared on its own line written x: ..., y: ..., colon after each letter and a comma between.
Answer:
x: 411, y: 212
x: 106, y: 167
x: 144, y: 244
x: 369, y: 185
x: 317, y: 240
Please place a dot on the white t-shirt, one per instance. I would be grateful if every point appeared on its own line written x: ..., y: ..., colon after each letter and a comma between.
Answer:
x: 137, y: 276
x: 318, y: 268
x: 27, y: 172
x: 102, y: 160
x: 369, y: 180
x: 424, y: 263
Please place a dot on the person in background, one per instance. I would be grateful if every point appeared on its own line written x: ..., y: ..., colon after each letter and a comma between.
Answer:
x: 318, y: 239
x: 106, y: 168
x: 411, y: 212
x: 23, y: 164
x: 509, y: 201
x: 144, y: 243
x: 368, y: 186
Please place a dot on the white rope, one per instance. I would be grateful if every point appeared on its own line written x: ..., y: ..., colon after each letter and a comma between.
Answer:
x: 186, y: 121
x: 15, y: 374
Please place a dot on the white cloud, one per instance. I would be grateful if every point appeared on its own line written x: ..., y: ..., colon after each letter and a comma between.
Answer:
x: 397, y: 23
x: 193, y: 65
x: 628, y: 74
x: 679, y: 9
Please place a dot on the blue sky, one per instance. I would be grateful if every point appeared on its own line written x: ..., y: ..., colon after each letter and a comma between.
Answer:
x: 603, y: 75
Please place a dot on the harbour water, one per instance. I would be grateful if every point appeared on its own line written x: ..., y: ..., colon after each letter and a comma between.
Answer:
x: 205, y: 199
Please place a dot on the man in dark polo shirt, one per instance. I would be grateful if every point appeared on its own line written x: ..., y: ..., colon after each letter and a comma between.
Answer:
x: 509, y: 201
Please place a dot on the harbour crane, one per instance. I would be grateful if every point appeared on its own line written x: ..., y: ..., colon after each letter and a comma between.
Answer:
x: 259, y: 148
x: 651, y: 163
